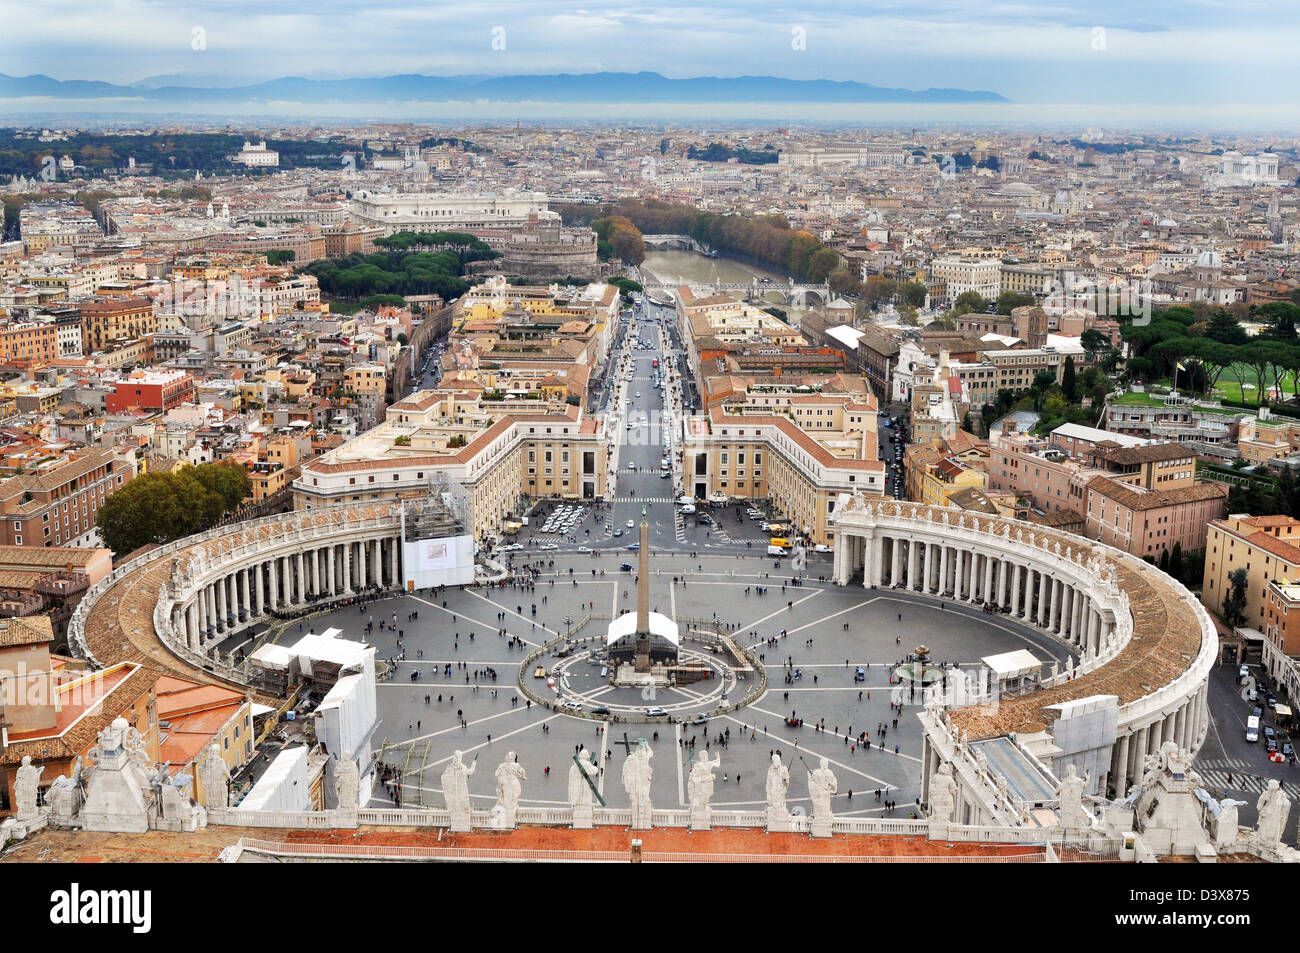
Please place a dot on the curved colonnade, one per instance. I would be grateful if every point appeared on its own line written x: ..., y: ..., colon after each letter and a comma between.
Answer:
x: 173, y: 606
x: 1140, y: 635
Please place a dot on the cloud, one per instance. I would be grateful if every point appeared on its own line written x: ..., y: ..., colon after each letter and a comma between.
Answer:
x: 1040, y: 50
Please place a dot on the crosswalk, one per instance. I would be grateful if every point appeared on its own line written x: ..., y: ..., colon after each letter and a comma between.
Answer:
x: 1216, y: 775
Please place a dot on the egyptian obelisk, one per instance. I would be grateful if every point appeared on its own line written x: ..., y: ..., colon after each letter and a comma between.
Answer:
x: 642, y: 660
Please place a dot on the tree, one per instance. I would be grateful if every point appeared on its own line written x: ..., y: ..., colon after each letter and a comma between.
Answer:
x: 1176, y: 561
x: 1067, y: 380
x: 969, y: 301
x: 1043, y: 382
x: 157, y: 508
x: 1163, y: 563
x: 1009, y: 300
x: 913, y: 293
x: 1234, y: 601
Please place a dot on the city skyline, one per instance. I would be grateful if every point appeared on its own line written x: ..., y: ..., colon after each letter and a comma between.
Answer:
x: 1165, y: 62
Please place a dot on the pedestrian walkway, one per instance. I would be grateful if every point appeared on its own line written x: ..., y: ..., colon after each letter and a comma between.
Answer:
x: 1215, y: 774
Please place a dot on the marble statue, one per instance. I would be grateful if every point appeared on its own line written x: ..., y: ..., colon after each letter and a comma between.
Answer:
x: 1273, y: 807
x: 943, y: 795
x: 27, y: 781
x: 580, y: 791
x: 1070, y: 800
x: 636, y: 782
x: 347, y: 784
x: 1227, y: 824
x: 214, y: 779
x: 700, y: 786
x: 821, y: 785
x: 455, y: 789
x: 63, y: 799
x: 778, y: 783
x: 510, y: 777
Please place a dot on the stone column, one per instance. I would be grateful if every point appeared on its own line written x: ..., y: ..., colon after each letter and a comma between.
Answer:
x: 302, y: 576
x: 377, y: 564
x: 192, y: 625
x: 347, y: 569
x: 895, y: 561
x: 1043, y: 585
x: 329, y: 570
x: 1120, y: 769
x: 219, y: 590
x: 1157, y: 734
x: 959, y: 574
x: 243, y: 592
x: 1001, y: 599
x: 273, y: 577
x: 361, y: 565
x: 1138, y: 752
x: 259, y: 589
x: 1080, y: 613
x: 1016, y: 570
x: 913, y: 564
x: 988, y: 579
x: 943, y: 569
x: 394, y: 570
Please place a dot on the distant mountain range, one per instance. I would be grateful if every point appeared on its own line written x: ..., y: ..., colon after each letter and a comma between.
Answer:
x: 609, y: 88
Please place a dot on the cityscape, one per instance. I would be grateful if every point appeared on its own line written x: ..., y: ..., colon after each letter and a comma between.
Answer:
x: 644, y: 433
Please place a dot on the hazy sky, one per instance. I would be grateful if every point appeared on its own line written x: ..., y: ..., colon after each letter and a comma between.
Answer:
x: 1185, y: 52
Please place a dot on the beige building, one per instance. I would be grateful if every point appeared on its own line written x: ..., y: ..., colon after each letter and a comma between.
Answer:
x: 800, y: 451
x: 1267, y: 547
x: 435, y: 439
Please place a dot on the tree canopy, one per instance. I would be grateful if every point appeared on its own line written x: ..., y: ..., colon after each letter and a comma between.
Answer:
x: 157, y: 508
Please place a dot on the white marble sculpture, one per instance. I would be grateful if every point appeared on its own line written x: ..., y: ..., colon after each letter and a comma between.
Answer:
x: 510, y: 777
x: 455, y: 789
x: 1069, y: 796
x: 700, y: 784
x: 778, y: 783
x: 821, y: 785
x: 636, y: 782
x: 1227, y: 825
x: 177, y: 810
x: 580, y: 791
x: 27, y: 781
x: 63, y: 800
x: 1273, y: 807
x: 214, y: 779
x: 347, y: 784
x: 119, y: 788
x: 943, y: 795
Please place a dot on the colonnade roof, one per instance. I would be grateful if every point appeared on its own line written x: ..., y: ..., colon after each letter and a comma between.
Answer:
x: 1166, y: 639
x: 119, y: 626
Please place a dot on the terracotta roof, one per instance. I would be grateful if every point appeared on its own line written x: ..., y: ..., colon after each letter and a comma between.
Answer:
x: 28, y: 630
x: 1139, y: 500
x: 1150, y: 453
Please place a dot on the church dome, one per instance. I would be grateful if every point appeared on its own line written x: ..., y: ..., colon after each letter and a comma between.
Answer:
x: 1209, y: 259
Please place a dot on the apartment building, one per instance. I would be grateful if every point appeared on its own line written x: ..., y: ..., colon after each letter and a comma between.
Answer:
x: 442, y: 437
x: 106, y: 321
x: 55, y: 503
x: 1267, y: 547
x: 801, y: 453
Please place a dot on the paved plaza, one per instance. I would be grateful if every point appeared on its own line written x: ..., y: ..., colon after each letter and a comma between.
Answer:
x: 498, y: 718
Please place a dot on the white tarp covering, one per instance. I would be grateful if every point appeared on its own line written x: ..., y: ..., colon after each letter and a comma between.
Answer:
x: 1015, y: 664
x: 625, y: 625
x: 283, y: 786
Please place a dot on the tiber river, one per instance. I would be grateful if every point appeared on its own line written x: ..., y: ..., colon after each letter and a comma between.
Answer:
x: 687, y: 267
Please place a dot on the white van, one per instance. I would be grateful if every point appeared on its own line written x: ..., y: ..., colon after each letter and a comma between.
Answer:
x: 777, y: 551
x: 1252, y: 728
